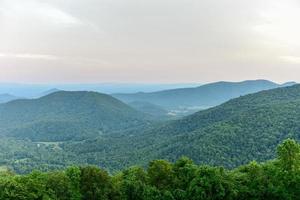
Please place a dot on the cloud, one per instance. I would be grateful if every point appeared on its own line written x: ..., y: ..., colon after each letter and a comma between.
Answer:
x: 157, y: 40
x: 279, y: 23
x: 36, y: 11
x: 68, y: 60
x: 29, y: 56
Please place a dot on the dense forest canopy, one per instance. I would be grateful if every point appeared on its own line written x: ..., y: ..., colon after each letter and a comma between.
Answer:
x: 63, y: 116
x: 232, y: 134
x: 71, y: 128
x: 162, y: 180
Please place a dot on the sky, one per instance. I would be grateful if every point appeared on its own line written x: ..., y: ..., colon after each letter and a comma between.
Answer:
x: 149, y: 41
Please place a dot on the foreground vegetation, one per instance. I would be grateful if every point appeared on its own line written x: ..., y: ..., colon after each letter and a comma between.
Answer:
x: 276, y: 179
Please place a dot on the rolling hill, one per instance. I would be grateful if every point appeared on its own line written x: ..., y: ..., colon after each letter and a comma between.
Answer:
x: 201, y: 97
x: 7, y: 97
x: 231, y: 134
x: 63, y: 116
x: 241, y: 130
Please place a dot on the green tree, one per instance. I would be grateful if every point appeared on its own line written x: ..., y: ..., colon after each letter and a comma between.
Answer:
x: 160, y: 174
x: 289, y: 155
x: 74, y: 174
x: 95, y: 184
x: 59, y: 185
x: 211, y: 184
x: 134, y: 182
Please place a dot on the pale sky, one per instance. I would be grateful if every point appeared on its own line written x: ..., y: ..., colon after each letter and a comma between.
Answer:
x: 89, y: 41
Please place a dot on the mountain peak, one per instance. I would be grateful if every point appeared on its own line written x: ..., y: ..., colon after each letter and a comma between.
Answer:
x: 66, y: 115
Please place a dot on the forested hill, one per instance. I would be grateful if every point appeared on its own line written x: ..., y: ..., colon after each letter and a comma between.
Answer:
x: 239, y: 107
x: 149, y: 108
x: 234, y: 133
x: 203, y: 96
x: 64, y: 116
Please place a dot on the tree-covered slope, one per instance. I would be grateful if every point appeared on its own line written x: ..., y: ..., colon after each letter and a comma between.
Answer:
x: 241, y: 130
x: 149, y: 108
x: 234, y: 133
x: 66, y: 115
x: 203, y: 96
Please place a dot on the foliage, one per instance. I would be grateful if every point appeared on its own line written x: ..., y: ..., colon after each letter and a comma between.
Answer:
x: 65, y: 116
x: 115, y: 136
x: 163, y: 180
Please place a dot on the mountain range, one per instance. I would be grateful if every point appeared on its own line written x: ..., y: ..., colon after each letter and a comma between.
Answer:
x: 6, y: 98
x: 234, y: 133
x: 199, y: 98
x: 65, y: 128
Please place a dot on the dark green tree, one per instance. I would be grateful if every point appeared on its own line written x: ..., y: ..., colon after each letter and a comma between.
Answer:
x: 160, y: 174
x: 95, y: 184
x: 134, y: 182
x: 74, y: 174
x: 289, y: 155
x: 211, y: 183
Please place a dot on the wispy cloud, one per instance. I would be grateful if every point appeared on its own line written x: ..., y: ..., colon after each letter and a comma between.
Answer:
x: 49, y: 57
x: 30, y: 56
x: 37, y: 10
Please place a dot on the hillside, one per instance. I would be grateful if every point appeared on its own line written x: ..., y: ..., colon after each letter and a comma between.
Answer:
x: 201, y: 97
x: 234, y: 133
x: 64, y: 116
x: 231, y: 134
x: 149, y: 108
x: 6, y: 98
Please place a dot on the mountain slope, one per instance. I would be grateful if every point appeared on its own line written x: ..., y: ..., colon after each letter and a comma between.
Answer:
x: 6, y: 98
x: 205, y: 96
x: 66, y: 115
x: 231, y: 134
x: 149, y: 108
x: 234, y: 133
x: 47, y: 92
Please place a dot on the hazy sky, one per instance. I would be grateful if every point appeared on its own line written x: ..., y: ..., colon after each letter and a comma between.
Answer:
x: 149, y: 40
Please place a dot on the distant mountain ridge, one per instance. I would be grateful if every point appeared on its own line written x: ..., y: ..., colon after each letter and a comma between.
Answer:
x: 35, y: 90
x: 66, y: 115
x: 47, y: 92
x: 204, y: 96
x: 7, y: 97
